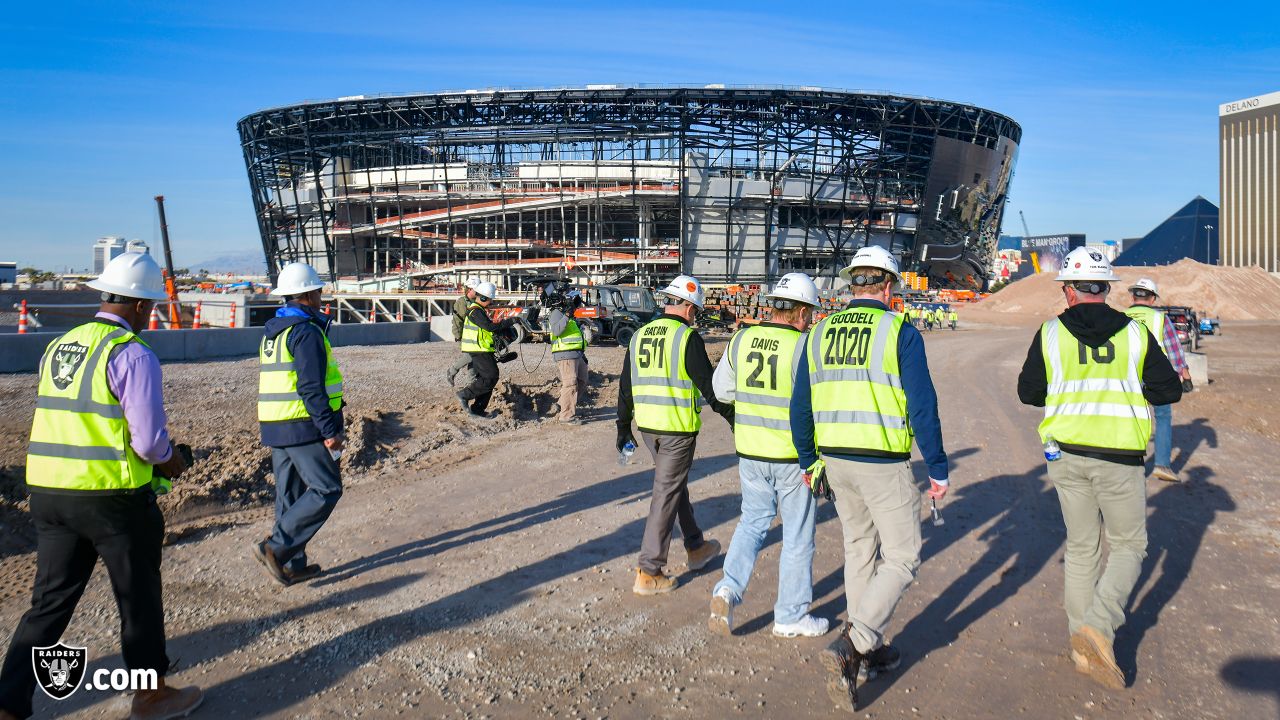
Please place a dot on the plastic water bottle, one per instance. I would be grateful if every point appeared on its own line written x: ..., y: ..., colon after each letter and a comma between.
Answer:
x: 627, y: 451
x: 1051, y: 450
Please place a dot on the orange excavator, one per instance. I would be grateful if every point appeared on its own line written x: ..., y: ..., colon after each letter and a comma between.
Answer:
x: 175, y: 312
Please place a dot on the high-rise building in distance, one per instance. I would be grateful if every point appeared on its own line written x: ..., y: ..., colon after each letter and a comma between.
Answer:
x: 1250, y: 182
x: 105, y: 249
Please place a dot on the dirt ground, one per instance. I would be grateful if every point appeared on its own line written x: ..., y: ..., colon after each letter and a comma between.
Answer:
x: 483, y: 568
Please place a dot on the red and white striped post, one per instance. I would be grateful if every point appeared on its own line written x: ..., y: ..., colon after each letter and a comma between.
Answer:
x: 233, y: 316
x: 154, y: 324
x: 22, y: 318
x: 399, y: 314
x: 373, y: 314
x: 195, y: 321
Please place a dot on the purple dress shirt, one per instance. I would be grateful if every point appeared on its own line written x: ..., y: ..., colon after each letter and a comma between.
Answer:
x: 133, y: 376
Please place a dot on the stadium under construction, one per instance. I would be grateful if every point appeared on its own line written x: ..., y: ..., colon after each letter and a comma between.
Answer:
x: 413, y: 193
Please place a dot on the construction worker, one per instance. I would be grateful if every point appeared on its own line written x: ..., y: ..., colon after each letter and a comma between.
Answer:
x: 952, y: 317
x: 663, y: 372
x: 1093, y: 370
x: 99, y: 453
x: 477, y: 342
x: 864, y: 391
x: 568, y: 349
x: 300, y: 405
x: 756, y: 376
x: 460, y: 307
x: 1145, y: 294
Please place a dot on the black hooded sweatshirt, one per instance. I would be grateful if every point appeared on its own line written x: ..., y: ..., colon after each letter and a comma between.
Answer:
x: 1094, y: 324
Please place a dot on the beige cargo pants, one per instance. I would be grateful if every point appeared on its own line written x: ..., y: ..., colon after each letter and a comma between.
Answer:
x: 1100, y: 497
x: 573, y: 383
x: 879, y: 509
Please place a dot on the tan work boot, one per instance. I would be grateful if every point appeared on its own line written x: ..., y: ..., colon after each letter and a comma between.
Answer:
x: 647, y: 584
x: 1100, y: 660
x: 1165, y: 474
x: 703, y: 554
x: 165, y: 702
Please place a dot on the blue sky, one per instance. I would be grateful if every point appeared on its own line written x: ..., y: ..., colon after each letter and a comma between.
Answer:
x: 108, y: 104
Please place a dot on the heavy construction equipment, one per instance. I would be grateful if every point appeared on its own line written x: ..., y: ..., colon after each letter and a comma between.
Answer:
x: 175, y: 312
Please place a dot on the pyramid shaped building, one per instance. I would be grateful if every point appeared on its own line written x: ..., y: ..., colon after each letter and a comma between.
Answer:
x: 1183, y: 235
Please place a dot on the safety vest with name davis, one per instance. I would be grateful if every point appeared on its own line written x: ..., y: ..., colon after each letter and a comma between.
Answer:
x: 278, y: 398
x: 570, y: 339
x: 1094, y: 397
x: 79, y: 436
x: 859, y: 406
x: 475, y: 339
x: 665, y: 400
x: 1152, y: 319
x: 764, y: 360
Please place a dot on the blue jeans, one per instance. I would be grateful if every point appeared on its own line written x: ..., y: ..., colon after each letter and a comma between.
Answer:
x: 308, y: 486
x: 770, y: 489
x: 1164, y: 435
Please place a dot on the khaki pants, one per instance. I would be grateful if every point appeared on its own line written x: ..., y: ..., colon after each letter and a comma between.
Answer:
x: 879, y: 509
x: 573, y: 382
x: 1096, y: 497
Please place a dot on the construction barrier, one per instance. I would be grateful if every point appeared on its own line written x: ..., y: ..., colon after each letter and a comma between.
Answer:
x: 22, y: 319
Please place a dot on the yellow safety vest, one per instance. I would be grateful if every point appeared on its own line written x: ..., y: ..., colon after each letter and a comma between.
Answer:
x: 764, y: 360
x: 859, y: 406
x: 1094, y: 397
x: 475, y: 339
x: 278, y: 398
x: 570, y: 339
x: 665, y: 400
x: 1152, y: 319
x: 79, y: 436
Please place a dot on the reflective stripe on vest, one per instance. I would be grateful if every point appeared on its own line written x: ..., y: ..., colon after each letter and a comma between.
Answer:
x: 1152, y: 319
x: 475, y: 339
x: 1095, y: 394
x: 662, y: 393
x: 79, y: 435
x: 278, y: 398
x: 859, y: 406
x: 570, y: 339
x: 764, y: 360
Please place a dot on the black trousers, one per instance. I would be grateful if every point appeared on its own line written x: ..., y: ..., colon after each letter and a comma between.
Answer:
x: 72, y: 532
x: 481, y: 390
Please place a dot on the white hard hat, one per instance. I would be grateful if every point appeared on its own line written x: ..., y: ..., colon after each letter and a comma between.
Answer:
x: 471, y: 283
x: 872, y: 256
x: 486, y: 290
x: 1145, y: 284
x: 686, y: 287
x: 131, y: 275
x: 1086, y: 264
x: 297, y: 278
x: 795, y: 286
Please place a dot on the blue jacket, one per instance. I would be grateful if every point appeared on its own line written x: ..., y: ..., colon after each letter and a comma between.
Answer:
x: 306, y: 342
x: 922, y: 404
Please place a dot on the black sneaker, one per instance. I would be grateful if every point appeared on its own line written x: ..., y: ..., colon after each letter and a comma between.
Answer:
x: 880, y: 661
x: 844, y: 662
x: 466, y: 404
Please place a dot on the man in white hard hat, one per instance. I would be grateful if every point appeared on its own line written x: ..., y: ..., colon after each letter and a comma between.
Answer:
x: 99, y: 453
x: 1093, y: 370
x: 300, y: 403
x: 1145, y: 294
x: 862, y: 395
x: 478, y: 343
x: 664, y: 371
x: 568, y: 349
x: 460, y: 307
x: 756, y: 375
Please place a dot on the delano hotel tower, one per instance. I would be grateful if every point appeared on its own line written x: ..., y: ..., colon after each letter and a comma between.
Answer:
x: 1250, y: 181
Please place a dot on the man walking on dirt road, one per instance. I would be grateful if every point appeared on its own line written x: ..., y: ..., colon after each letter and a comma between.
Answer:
x: 1093, y: 370
x: 460, y: 307
x: 1157, y: 322
x: 300, y: 417
x: 756, y: 375
x: 863, y: 393
x: 568, y: 349
x: 478, y: 344
x: 663, y: 372
x: 99, y: 453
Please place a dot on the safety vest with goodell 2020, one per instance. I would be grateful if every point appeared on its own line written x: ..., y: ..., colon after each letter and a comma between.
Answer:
x: 79, y: 436
x: 859, y: 406
x: 764, y: 359
x: 665, y: 400
x: 278, y: 398
x: 1094, y: 397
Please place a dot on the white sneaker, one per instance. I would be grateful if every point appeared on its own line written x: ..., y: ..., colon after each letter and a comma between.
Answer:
x: 721, y: 620
x: 807, y: 626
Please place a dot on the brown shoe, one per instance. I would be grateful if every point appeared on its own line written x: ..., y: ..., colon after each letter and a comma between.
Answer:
x: 1165, y: 474
x: 647, y: 584
x: 302, y: 575
x: 165, y: 702
x: 703, y: 554
x: 1100, y: 660
x: 262, y: 551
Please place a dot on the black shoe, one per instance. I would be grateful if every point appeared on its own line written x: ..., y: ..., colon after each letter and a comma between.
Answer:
x: 466, y: 404
x: 844, y: 662
x: 880, y: 661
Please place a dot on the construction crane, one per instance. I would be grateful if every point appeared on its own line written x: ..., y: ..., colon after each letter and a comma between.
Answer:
x: 1025, y: 231
x: 175, y: 313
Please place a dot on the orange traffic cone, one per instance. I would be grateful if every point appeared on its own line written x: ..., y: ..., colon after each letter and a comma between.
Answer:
x: 22, y: 319
x: 155, y: 318
x: 233, y: 316
x: 326, y: 309
x: 373, y: 314
x: 400, y: 315
x: 195, y: 321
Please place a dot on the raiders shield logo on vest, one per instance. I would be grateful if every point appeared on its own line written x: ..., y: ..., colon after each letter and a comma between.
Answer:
x: 59, y: 669
x: 67, y: 359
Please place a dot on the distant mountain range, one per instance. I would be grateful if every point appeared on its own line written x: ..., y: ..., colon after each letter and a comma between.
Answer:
x: 238, y: 263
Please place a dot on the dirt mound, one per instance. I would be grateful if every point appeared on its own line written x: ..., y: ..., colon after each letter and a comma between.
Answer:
x: 1227, y: 293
